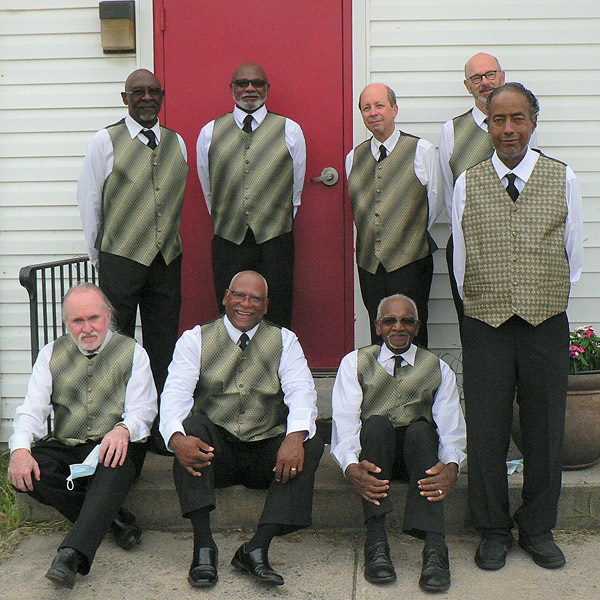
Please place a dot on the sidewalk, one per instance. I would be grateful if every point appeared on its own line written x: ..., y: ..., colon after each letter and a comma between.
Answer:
x: 314, y: 565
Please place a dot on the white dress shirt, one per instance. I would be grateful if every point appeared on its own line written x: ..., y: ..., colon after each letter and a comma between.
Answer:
x: 97, y: 166
x: 140, y: 399
x: 446, y: 149
x: 294, y: 140
x: 426, y: 167
x: 347, y: 400
x: 177, y: 398
x: 573, y: 224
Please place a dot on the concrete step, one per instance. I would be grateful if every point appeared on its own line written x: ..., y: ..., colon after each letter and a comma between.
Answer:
x: 335, y: 507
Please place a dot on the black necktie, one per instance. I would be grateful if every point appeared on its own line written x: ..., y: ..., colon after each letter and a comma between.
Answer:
x: 511, y: 188
x: 382, y: 153
x: 90, y: 356
x: 243, y: 341
x: 248, y: 124
x: 151, y: 138
x: 397, y: 365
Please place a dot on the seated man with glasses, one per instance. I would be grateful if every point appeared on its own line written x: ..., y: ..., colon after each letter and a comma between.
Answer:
x: 251, y: 164
x: 239, y: 406
x: 397, y: 415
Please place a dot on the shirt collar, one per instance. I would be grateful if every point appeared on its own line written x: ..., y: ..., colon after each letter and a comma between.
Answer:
x: 522, y: 170
x: 389, y: 144
x: 479, y: 117
x: 107, y: 339
x: 134, y: 128
x: 234, y: 333
x: 409, y: 356
x: 258, y: 115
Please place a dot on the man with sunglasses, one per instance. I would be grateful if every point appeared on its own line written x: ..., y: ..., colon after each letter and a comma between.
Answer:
x: 251, y: 165
x: 397, y: 415
x: 239, y: 406
x: 465, y: 141
x: 130, y: 194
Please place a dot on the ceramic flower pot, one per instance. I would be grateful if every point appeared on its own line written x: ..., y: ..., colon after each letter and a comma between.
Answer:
x: 581, y: 447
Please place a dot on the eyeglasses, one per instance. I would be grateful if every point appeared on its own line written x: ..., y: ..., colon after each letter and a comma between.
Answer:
x: 391, y: 321
x: 244, y: 83
x: 138, y: 93
x: 490, y: 76
x: 258, y: 300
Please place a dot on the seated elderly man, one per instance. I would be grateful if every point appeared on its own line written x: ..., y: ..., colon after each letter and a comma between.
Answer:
x: 396, y: 415
x: 239, y: 406
x: 100, y: 386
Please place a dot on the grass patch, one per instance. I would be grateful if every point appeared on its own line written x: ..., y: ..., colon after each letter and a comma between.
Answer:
x: 10, y: 516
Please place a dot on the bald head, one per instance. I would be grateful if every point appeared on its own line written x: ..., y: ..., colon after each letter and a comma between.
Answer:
x: 249, y: 86
x: 378, y: 108
x: 488, y: 69
x: 143, y: 96
x: 246, y: 300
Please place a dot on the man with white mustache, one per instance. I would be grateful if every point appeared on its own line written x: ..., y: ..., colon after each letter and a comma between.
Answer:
x: 100, y: 387
x: 251, y: 164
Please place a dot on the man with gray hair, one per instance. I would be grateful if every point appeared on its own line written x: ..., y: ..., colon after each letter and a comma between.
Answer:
x: 393, y: 182
x: 100, y: 387
x: 396, y: 415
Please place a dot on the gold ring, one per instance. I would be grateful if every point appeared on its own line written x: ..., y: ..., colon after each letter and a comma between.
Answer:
x: 293, y: 469
x: 440, y: 492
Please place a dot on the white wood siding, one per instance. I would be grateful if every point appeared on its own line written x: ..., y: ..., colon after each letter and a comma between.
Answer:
x: 58, y: 88
x: 419, y: 48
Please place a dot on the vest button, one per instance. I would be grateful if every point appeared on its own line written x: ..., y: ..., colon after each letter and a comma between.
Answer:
x: 376, y: 214
x: 157, y: 189
x: 247, y: 161
x: 247, y: 212
x: 378, y: 190
x: 240, y: 385
x: 160, y: 214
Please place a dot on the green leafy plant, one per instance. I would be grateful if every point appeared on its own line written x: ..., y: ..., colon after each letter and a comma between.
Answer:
x: 584, y: 350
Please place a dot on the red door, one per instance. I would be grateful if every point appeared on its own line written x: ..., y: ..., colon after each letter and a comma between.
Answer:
x: 305, y: 50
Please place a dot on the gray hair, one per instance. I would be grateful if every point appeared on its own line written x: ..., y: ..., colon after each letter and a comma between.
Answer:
x: 87, y: 285
x: 519, y: 88
x: 397, y: 297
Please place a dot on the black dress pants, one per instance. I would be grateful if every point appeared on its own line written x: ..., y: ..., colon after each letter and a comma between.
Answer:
x: 157, y: 291
x: 458, y: 303
x: 496, y: 362
x: 251, y: 464
x: 412, y: 280
x: 273, y: 259
x: 94, y: 502
x: 403, y: 453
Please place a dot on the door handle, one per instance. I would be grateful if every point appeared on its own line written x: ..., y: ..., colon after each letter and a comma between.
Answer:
x: 329, y: 176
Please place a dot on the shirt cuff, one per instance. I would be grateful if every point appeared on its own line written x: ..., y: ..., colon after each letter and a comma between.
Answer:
x: 299, y: 425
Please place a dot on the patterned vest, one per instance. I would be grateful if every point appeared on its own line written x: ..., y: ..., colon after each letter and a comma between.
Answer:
x: 143, y: 197
x: 471, y: 144
x: 240, y: 390
x: 389, y: 205
x: 251, y: 180
x: 88, y: 394
x: 405, y: 398
x: 516, y: 262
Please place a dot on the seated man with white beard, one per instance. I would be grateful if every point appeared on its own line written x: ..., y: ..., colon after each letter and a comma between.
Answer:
x: 100, y: 386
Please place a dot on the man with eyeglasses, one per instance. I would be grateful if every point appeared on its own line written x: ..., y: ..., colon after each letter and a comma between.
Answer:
x: 393, y: 183
x: 465, y: 141
x: 251, y: 165
x: 239, y: 406
x: 397, y: 415
x: 130, y: 194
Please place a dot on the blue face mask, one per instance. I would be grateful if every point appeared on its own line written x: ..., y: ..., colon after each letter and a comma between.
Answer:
x: 84, y: 469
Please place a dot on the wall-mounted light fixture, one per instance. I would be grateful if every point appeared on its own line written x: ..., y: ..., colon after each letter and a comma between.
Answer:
x: 117, y: 20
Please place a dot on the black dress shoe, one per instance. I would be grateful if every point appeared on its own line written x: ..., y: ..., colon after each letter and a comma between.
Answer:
x: 378, y: 564
x: 203, y: 572
x: 492, y: 551
x: 435, y: 572
x: 544, y: 552
x: 256, y: 563
x: 65, y: 567
x: 127, y: 531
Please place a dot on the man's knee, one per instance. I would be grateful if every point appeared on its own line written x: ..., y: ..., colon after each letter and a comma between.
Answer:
x: 420, y: 437
x: 313, y: 450
x: 376, y: 425
x: 198, y: 426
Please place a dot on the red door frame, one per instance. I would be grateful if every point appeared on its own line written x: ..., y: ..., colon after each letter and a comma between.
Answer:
x: 160, y: 24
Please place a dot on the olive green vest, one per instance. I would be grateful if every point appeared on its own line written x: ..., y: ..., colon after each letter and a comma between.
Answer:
x: 251, y: 180
x: 143, y: 197
x: 471, y: 144
x: 404, y: 398
x: 390, y: 208
x: 88, y: 394
x: 516, y: 262
x: 240, y: 390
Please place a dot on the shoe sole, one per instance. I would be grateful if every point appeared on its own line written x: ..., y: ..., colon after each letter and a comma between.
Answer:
x: 429, y: 588
x: 541, y: 562
x: 59, y: 580
x: 388, y: 579
x: 202, y: 583
x: 132, y: 541
x: 238, y: 565
x: 489, y: 566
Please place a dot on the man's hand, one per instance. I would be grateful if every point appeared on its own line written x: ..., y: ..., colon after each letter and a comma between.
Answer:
x: 443, y: 477
x: 113, y: 449
x: 191, y: 452
x: 290, y: 458
x: 22, y: 465
x: 366, y: 485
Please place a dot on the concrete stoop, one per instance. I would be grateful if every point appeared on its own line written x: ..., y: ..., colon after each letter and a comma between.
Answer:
x: 336, y: 506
